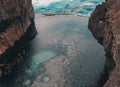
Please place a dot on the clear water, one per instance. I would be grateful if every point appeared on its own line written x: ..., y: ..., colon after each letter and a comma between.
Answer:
x: 41, y: 57
x: 63, y: 54
x: 80, y: 7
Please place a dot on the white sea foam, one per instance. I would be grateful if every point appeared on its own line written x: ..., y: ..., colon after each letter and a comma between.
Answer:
x: 81, y: 7
x: 43, y: 2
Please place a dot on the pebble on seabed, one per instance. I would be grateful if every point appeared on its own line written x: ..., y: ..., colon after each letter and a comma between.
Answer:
x: 45, y: 78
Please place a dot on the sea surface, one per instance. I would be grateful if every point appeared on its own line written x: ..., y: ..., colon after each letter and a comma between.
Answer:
x: 80, y: 7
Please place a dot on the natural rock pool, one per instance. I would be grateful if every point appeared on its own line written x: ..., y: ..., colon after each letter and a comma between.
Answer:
x: 63, y: 54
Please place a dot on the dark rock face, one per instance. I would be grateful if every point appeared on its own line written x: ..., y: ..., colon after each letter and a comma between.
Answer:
x: 16, y: 23
x: 104, y: 23
x: 97, y: 22
x: 15, y: 17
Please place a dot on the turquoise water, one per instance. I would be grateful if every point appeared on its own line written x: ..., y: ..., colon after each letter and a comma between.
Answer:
x: 41, y: 57
x: 80, y: 7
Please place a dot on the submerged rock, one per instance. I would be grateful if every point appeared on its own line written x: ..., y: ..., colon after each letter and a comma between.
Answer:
x: 45, y: 78
x: 105, y: 26
x: 27, y: 82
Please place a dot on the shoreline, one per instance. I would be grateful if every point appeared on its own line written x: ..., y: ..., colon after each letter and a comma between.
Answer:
x: 62, y: 14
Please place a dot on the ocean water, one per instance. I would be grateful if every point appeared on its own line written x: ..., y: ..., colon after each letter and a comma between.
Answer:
x: 80, y: 7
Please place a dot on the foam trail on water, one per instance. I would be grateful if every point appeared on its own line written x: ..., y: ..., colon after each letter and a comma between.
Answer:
x: 43, y: 2
x: 80, y: 7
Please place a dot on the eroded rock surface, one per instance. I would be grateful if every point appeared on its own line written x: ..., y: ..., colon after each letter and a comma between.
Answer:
x: 105, y: 26
x: 15, y: 17
x: 16, y: 20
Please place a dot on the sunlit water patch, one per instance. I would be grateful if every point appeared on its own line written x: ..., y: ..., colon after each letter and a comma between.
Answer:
x: 80, y: 7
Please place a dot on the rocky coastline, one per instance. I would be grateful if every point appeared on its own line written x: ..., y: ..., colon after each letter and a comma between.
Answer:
x: 104, y: 24
x: 17, y: 26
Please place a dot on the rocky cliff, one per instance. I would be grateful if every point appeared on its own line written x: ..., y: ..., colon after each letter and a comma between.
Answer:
x: 104, y: 23
x: 16, y: 20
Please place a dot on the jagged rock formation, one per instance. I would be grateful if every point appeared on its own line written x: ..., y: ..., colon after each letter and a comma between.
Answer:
x: 104, y: 23
x: 16, y: 20
x: 15, y: 17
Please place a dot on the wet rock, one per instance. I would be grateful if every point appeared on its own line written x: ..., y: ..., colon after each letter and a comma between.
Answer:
x: 97, y: 22
x: 15, y: 18
x: 104, y: 23
x: 16, y: 23
x: 0, y: 73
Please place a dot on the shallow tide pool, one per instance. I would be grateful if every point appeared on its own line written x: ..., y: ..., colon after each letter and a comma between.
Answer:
x: 63, y: 54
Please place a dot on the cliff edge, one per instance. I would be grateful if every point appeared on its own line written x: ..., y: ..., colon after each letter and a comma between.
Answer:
x: 104, y: 23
